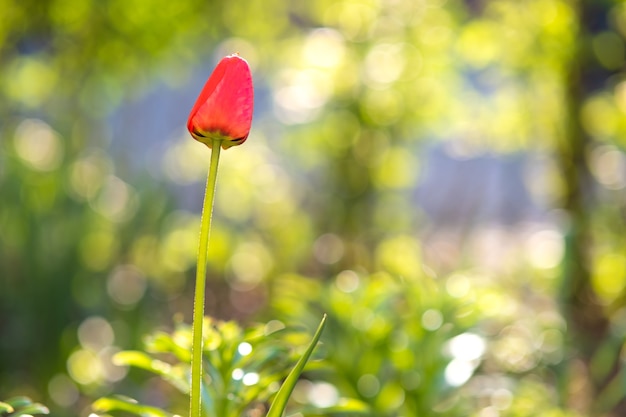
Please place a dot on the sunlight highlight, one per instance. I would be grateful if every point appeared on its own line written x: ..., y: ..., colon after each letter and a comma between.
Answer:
x: 38, y: 145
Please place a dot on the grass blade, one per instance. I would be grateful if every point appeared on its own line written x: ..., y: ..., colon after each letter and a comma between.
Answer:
x: 280, y: 401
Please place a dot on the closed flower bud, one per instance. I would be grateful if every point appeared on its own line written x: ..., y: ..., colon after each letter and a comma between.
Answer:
x: 224, y: 108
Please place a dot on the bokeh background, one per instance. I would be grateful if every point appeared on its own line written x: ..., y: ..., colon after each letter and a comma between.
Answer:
x: 445, y: 178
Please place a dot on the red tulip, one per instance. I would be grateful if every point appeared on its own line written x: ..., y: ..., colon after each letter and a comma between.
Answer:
x: 224, y: 108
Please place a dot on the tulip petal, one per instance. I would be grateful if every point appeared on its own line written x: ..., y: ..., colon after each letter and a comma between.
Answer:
x: 225, y: 105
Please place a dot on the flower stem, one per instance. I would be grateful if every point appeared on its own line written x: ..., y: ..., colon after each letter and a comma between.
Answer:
x: 195, y: 408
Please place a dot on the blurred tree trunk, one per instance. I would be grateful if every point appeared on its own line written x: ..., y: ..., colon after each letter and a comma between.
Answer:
x: 587, y: 320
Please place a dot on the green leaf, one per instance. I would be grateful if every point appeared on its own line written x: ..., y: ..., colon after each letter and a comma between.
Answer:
x: 31, y: 409
x: 133, y: 358
x: 5, y: 408
x: 343, y: 406
x: 20, y: 401
x: 176, y: 344
x: 138, y: 359
x: 280, y: 401
x: 21, y: 406
x: 107, y: 404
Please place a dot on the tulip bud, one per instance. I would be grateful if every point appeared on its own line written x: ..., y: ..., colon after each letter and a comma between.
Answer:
x: 224, y: 108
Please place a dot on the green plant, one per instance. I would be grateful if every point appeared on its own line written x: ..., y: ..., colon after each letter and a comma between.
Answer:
x: 243, y: 369
x: 392, y: 343
x: 220, y: 118
x: 21, y: 406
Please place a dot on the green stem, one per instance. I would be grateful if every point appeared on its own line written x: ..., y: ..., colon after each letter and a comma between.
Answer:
x: 195, y: 408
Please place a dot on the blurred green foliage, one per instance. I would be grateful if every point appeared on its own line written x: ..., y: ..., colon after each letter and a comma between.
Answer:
x: 100, y: 190
x: 21, y: 406
x: 397, y: 344
x: 244, y: 369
